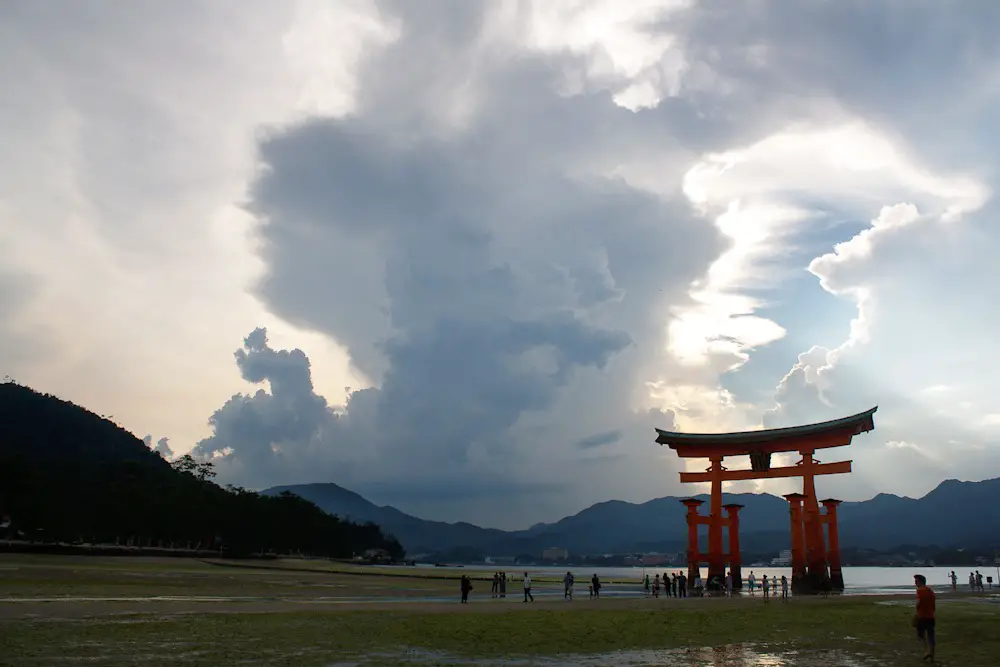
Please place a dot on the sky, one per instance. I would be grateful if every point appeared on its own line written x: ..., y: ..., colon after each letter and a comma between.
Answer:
x: 463, y: 256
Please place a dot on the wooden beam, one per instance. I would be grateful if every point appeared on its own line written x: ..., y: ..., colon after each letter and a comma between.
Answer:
x: 837, y: 468
x: 813, y: 441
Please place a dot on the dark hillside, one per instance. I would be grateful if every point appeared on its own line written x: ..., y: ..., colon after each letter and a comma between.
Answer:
x: 67, y: 475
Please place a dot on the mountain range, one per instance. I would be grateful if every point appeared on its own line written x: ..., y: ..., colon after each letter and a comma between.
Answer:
x: 955, y: 514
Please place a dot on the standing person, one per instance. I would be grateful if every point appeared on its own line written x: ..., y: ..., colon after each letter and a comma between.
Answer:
x: 596, y: 583
x: 729, y: 583
x: 568, y: 586
x: 466, y: 587
x: 751, y: 582
x: 954, y: 580
x: 923, y: 619
x: 645, y: 585
x: 784, y: 588
x: 527, y: 588
x: 765, y: 585
x: 503, y: 584
x: 656, y: 585
x: 496, y: 584
x: 698, y: 588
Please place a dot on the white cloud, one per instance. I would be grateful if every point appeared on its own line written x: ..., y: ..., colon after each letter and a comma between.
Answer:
x: 126, y: 152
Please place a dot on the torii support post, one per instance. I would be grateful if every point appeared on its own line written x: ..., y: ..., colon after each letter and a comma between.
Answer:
x: 812, y: 572
x: 716, y: 557
x: 798, y: 542
x: 816, y: 564
x: 735, y: 566
x: 693, y: 521
x: 833, y: 540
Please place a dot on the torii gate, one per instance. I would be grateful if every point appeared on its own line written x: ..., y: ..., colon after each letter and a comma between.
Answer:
x: 815, y: 560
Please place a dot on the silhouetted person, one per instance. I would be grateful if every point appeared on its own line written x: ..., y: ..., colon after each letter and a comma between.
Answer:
x: 503, y: 584
x: 527, y: 588
x: 682, y: 585
x: 466, y: 587
x: 496, y: 584
x: 596, y: 583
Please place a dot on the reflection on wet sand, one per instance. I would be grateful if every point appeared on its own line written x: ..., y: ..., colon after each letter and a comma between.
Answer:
x: 720, y: 656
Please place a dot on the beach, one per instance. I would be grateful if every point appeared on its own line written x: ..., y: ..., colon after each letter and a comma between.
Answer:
x: 160, y: 611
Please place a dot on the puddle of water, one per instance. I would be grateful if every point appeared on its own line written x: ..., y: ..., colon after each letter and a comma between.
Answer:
x: 723, y: 656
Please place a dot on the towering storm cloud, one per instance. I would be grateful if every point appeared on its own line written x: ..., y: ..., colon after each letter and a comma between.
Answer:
x: 524, y: 232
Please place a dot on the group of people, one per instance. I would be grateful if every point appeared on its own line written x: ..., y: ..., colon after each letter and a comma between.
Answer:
x: 674, y: 585
x: 766, y: 586
x: 499, y: 589
x: 976, y: 581
x: 501, y: 580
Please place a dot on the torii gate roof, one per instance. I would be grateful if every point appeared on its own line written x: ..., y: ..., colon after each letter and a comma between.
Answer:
x: 834, y: 433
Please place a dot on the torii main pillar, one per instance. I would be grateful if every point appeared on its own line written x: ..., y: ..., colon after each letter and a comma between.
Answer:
x: 816, y: 566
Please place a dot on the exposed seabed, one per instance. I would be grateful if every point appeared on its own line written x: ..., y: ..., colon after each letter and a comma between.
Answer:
x: 722, y: 656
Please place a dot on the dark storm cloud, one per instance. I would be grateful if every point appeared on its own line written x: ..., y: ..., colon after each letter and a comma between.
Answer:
x: 599, y: 440
x: 482, y: 276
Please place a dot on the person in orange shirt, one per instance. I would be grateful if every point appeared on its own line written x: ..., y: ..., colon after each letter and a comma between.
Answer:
x: 923, y: 620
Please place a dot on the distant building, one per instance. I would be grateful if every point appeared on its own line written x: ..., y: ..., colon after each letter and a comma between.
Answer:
x: 555, y: 553
x: 784, y: 558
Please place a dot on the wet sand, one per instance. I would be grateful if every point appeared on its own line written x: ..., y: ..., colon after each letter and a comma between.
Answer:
x: 35, y: 587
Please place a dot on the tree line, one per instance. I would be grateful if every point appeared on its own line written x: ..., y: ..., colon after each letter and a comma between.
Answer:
x: 67, y: 475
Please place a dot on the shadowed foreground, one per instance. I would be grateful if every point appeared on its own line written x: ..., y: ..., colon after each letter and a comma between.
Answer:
x: 179, y: 612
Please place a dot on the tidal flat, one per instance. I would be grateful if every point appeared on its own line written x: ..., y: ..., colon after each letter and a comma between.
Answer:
x: 58, y: 610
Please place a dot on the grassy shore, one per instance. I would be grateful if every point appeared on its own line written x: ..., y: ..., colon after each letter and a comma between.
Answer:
x: 967, y: 632
x: 313, y: 633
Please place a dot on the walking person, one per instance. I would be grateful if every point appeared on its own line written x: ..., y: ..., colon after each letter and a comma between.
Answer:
x: 923, y: 618
x: 656, y: 585
x: 496, y: 584
x: 954, y: 580
x: 527, y: 588
x: 596, y: 583
x: 568, y: 587
x: 751, y: 582
x: 784, y: 588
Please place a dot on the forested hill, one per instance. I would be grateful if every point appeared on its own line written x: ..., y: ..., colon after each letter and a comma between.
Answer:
x: 68, y: 475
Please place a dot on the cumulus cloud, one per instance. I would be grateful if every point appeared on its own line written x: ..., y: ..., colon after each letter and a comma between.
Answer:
x: 524, y: 233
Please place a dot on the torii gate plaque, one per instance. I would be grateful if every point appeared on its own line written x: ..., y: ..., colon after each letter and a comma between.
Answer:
x: 815, y: 560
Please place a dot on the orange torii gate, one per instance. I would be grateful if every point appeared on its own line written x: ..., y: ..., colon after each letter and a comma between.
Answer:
x: 815, y: 560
